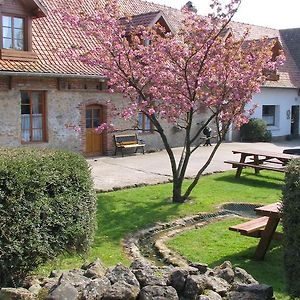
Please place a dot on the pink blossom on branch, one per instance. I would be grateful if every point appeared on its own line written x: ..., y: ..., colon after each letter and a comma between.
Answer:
x: 103, y: 127
x: 176, y: 76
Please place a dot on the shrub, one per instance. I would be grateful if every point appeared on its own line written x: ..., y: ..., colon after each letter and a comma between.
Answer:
x: 291, y: 227
x: 255, y: 131
x: 47, y: 206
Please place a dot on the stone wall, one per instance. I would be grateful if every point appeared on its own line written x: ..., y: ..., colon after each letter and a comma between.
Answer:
x: 65, y: 110
x: 142, y: 282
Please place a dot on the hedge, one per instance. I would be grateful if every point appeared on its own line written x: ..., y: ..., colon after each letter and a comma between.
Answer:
x: 291, y: 227
x: 47, y: 207
x: 255, y: 131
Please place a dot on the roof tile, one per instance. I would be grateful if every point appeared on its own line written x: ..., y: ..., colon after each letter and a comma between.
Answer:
x: 49, y: 33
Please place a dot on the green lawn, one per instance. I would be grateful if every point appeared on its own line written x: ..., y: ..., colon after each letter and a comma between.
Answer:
x: 213, y: 244
x: 122, y: 212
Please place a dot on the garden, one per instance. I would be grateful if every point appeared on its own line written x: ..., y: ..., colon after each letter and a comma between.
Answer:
x: 52, y: 220
x: 123, y: 212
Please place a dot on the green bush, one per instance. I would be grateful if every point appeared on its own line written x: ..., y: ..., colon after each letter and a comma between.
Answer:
x: 255, y: 131
x: 291, y: 227
x: 47, y: 207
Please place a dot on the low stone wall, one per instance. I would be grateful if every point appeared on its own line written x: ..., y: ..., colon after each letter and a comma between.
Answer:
x: 142, y: 281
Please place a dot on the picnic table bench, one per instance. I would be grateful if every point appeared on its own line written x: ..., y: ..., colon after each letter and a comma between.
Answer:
x: 263, y: 227
x: 260, y: 160
x: 126, y: 141
x: 251, y: 228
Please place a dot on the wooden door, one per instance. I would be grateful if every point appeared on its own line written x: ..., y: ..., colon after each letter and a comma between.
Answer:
x: 94, y: 140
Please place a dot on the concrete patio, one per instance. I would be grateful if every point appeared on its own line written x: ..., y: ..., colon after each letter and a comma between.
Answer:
x: 110, y: 173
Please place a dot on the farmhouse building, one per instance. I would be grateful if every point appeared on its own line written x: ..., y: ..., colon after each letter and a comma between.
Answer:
x: 49, y: 100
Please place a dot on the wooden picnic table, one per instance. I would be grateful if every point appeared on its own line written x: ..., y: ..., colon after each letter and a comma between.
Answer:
x: 273, y: 212
x: 263, y: 227
x: 260, y: 160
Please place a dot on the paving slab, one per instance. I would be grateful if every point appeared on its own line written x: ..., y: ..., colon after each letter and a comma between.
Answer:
x: 116, y: 172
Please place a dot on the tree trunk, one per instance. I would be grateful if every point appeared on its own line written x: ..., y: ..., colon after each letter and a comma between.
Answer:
x: 177, y: 192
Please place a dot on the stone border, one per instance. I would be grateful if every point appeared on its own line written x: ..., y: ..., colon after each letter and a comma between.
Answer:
x: 161, y: 232
x: 156, y: 236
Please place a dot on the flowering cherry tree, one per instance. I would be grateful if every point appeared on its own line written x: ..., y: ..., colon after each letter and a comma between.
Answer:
x: 176, y: 76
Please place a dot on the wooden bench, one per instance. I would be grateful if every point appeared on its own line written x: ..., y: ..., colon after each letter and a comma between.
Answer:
x: 251, y: 228
x: 257, y: 167
x: 254, y: 228
x: 126, y: 141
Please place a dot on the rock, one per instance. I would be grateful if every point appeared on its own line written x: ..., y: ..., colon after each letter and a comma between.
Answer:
x: 55, y: 273
x: 64, y: 291
x: 96, y: 289
x: 218, y: 285
x: 49, y: 283
x: 194, y: 286
x: 139, y: 264
x: 152, y: 292
x: 210, y: 295
x: 16, y: 294
x: 121, y: 291
x: 35, y: 289
x: 226, y: 264
x: 95, y: 269
x: 178, y: 278
x: 122, y: 273
x: 226, y: 274
x: 257, y: 291
x: 241, y: 276
x: 147, y: 277
x: 75, y: 278
x: 225, y: 271
x: 202, y: 268
x: 242, y: 296
x: 31, y: 280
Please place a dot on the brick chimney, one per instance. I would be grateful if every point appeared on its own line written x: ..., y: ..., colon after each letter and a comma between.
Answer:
x: 190, y: 7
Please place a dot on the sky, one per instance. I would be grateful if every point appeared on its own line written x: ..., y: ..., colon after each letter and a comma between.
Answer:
x: 279, y: 14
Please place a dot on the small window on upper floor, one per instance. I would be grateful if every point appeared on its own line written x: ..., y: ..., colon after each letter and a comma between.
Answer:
x: 13, y: 36
x: 16, y: 28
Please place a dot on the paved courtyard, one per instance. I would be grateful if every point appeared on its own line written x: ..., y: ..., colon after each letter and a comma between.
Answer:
x: 137, y: 169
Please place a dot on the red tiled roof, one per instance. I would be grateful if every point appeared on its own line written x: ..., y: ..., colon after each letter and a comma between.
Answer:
x: 145, y: 19
x: 289, y: 72
x: 50, y: 33
x: 148, y: 19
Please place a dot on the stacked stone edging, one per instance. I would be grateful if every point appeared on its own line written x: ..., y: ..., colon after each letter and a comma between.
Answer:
x: 142, y: 281
x: 156, y: 236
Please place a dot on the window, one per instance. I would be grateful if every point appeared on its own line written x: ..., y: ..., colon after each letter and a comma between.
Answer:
x: 33, y: 121
x: 144, y: 123
x: 13, y: 33
x: 269, y: 114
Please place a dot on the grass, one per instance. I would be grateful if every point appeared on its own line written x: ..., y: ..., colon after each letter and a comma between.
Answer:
x: 213, y: 244
x: 122, y: 212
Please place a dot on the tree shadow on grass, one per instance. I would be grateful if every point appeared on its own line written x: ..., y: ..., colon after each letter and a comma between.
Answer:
x: 269, y: 271
x: 252, y: 180
x: 116, y: 219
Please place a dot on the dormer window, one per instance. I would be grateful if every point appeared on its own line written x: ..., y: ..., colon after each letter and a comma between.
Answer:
x: 16, y: 28
x: 13, y: 33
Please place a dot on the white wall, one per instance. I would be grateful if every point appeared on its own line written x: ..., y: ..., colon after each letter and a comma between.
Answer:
x: 284, y: 99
